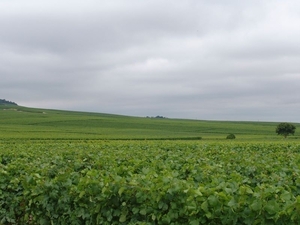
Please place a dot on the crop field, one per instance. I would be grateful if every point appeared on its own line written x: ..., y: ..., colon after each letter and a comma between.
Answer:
x: 39, y: 124
x: 60, y: 167
x: 149, y: 182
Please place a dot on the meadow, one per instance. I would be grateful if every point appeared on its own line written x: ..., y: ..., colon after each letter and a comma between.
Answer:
x: 60, y: 167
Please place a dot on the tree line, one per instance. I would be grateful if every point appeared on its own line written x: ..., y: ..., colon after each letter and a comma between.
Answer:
x: 6, y: 102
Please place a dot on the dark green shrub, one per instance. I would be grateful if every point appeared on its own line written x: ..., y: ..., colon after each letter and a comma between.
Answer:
x: 230, y: 136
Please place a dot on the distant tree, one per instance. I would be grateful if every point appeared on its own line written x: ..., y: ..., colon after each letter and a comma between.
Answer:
x: 285, y: 129
x: 157, y: 117
x: 160, y: 117
x: 5, y: 102
x: 230, y: 136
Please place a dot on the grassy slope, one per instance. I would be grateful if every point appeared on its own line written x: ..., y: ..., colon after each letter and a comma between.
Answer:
x: 27, y: 123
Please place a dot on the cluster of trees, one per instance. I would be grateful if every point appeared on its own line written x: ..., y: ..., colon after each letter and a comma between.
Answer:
x: 157, y: 117
x: 5, y: 102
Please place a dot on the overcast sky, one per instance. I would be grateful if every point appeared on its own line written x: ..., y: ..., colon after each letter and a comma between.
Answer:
x: 198, y: 59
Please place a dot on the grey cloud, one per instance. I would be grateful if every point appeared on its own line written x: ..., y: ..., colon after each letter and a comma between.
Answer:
x: 190, y: 59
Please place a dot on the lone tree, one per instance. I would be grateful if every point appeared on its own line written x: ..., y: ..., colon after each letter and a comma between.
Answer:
x: 285, y: 129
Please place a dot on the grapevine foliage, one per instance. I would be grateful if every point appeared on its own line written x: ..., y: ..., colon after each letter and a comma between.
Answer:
x: 149, y: 182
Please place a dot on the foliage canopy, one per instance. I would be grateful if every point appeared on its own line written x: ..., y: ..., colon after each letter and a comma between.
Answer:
x: 6, y: 102
x: 149, y: 182
x: 230, y: 136
x: 285, y: 129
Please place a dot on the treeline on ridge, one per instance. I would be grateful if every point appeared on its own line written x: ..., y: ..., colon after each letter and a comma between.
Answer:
x: 6, y: 102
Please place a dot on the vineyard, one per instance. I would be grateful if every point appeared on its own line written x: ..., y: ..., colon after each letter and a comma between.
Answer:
x: 149, y: 182
x: 22, y: 123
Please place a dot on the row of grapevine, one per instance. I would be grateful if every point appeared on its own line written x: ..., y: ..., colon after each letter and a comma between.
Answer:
x: 149, y: 182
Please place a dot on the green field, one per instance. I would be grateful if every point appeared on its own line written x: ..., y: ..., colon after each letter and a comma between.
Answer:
x: 28, y: 123
x: 63, y: 167
x: 149, y: 182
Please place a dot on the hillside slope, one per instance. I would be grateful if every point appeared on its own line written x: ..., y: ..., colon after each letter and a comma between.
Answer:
x: 29, y: 123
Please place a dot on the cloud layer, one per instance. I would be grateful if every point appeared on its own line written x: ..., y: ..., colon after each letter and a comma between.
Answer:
x: 219, y: 60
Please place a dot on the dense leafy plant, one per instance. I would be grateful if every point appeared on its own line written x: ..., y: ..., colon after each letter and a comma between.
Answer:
x: 285, y: 129
x: 149, y: 182
x: 230, y: 136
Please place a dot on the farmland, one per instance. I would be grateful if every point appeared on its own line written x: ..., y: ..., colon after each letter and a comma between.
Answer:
x: 40, y: 124
x: 60, y: 167
x: 149, y: 182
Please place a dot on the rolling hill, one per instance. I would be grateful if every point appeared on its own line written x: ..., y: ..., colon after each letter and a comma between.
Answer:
x: 19, y: 122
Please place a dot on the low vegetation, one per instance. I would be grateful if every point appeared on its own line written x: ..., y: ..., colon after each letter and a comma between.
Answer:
x: 230, y: 136
x: 40, y: 124
x: 149, y: 182
x: 59, y: 167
